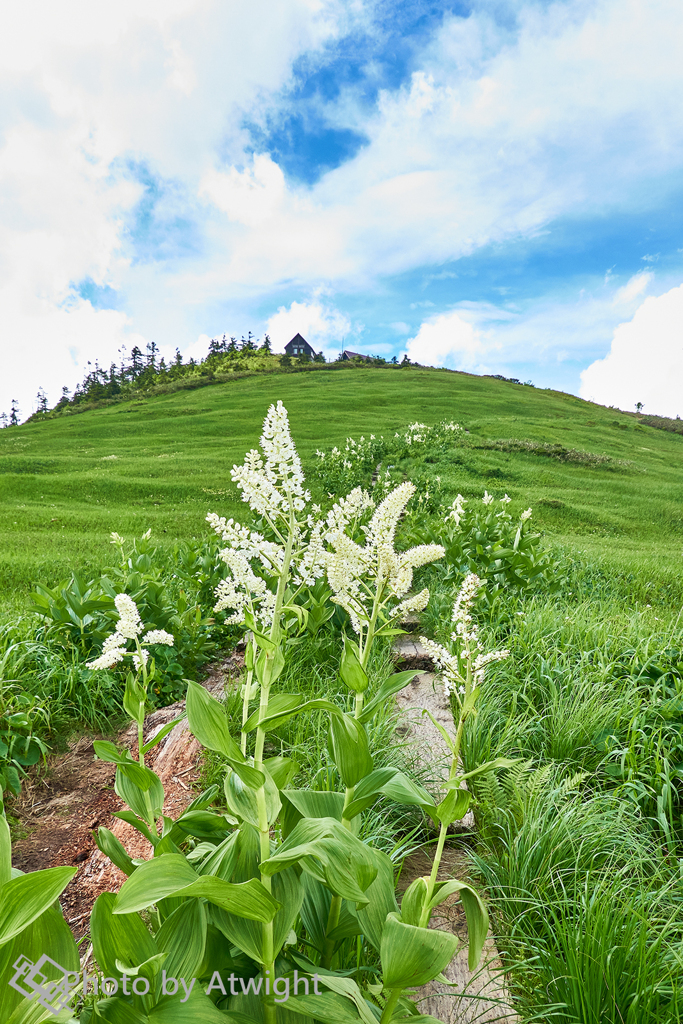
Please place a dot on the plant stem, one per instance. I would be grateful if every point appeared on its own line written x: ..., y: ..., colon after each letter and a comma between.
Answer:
x: 332, y: 922
x: 390, y: 1005
x: 267, y: 930
x: 245, y: 709
x: 336, y: 904
x: 431, y: 885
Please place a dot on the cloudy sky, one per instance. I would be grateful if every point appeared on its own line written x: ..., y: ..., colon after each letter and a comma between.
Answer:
x: 492, y: 186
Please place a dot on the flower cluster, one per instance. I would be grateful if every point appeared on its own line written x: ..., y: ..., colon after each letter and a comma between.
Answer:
x: 341, y: 469
x: 363, y: 461
x: 371, y: 579
x: 457, y: 511
x: 272, y: 482
x: 463, y: 668
x: 129, y: 627
x: 273, y: 486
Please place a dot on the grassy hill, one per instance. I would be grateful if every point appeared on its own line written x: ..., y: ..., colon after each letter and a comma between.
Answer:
x: 163, y: 462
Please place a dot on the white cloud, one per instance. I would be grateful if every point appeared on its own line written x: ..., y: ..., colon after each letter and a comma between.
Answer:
x: 250, y: 197
x: 496, y: 133
x: 645, y: 361
x: 323, y: 327
x: 448, y: 340
x: 86, y: 90
x: 634, y: 287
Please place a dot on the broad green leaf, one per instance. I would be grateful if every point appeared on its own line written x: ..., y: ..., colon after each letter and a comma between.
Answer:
x: 350, y: 749
x: 475, y: 912
x: 182, y: 937
x: 242, y: 800
x: 147, y: 802
x: 222, y: 858
x: 124, y: 937
x: 327, y: 1006
x: 349, y: 989
x: 132, y: 819
x: 163, y: 732
x: 114, y: 849
x: 329, y: 852
x: 403, y: 790
x: 351, y: 671
x: 281, y: 769
x: 25, y: 898
x: 248, y: 899
x: 454, y: 806
x: 245, y: 935
x: 388, y: 688
x: 249, y: 775
x: 197, y: 1010
x: 308, y: 803
x: 248, y: 935
x: 134, y: 700
x: 5, y: 851
x: 30, y: 1012
x: 274, y: 721
x: 107, y: 751
x: 413, y: 901
x: 289, y: 892
x: 368, y: 790
x: 49, y: 935
x: 116, y: 1011
x: 269, y: 666
x: 382, y: 900
x: 413, y: 956
x: 209, y: 722
x: 152, y: 881
x: 315, y: 909
x: 280, y: 704
x: 201, y: 824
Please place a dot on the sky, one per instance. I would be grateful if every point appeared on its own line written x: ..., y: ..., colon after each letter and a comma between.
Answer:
x: 493, y: 186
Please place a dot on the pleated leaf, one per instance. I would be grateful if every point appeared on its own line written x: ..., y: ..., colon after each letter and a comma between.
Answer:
x: 413, y: 956
x: 25, y: 898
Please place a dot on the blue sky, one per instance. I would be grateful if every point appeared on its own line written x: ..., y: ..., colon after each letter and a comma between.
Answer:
x: 493, y: 187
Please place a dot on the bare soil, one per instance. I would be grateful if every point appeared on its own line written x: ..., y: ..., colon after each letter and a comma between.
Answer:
x: 59, y: 811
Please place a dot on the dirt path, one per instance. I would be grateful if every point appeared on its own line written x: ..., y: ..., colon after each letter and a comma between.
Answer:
x: 471, y: 996
x: 59, y: 811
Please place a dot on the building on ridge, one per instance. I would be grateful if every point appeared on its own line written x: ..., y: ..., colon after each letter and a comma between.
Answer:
x: 347, y: 354
x: 298, y: 346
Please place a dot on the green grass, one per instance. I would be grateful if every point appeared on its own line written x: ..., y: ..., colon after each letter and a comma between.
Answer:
x: 578, y: 848
x: 62, y: 492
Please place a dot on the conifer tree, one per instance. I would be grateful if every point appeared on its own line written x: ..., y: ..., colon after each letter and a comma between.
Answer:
x: 14, y: 413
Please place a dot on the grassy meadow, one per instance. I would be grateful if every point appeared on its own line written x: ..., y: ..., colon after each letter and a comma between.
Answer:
x: 163, y: 462
x: 579, y: 846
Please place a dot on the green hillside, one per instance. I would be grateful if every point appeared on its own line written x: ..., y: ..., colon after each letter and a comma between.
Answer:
x: 164, y: 462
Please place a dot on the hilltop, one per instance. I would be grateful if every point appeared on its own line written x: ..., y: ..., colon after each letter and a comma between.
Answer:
x: 600, y: 482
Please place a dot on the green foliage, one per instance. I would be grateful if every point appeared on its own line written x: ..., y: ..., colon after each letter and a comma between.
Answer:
x: 507, y: 554
x: 22, y: 720
x: 362, y: 462
x: 83, y: 612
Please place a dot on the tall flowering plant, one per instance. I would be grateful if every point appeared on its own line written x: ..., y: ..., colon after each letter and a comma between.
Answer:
x: 130, y: 629
x: 277, y: 879
x: 463, y: 669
